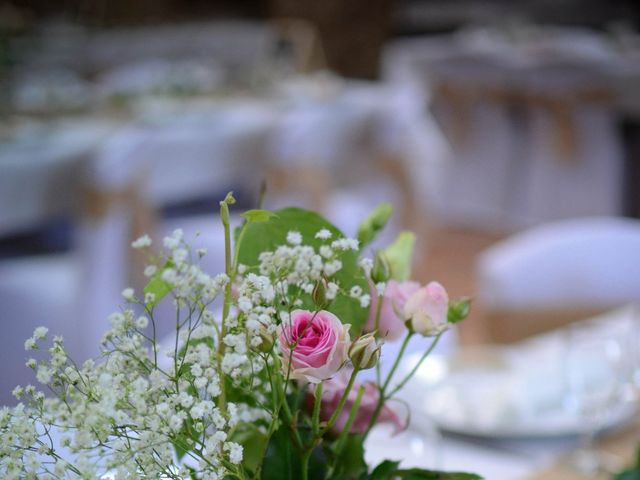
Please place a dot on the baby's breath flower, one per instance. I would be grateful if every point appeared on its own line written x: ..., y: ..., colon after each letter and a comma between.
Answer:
x: 128, y: 294
x: 294, y: 238
x: 141, y: 242
x: 40, y: 333
x: 323, y: 234
x: 30, y: 344
x: 150, y: 270
x: 142, y: 322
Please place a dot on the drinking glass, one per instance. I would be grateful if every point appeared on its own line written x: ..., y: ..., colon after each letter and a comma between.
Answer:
x: 593, y: 369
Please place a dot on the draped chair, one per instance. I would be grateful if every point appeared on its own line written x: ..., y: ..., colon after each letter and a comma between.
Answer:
x: 557, y: 273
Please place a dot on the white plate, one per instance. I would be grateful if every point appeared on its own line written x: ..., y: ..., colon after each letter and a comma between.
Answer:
x: 483, y: 395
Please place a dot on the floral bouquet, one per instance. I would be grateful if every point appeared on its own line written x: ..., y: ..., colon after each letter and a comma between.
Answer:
x: 260, y: 380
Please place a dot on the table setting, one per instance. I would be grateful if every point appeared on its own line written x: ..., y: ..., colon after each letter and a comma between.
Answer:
x: 565, y: 401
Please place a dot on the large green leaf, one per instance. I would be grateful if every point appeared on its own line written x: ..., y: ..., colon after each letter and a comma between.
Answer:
x: 267, y: 235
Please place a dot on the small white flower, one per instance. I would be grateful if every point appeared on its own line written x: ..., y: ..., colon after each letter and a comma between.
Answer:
x: 367, y: 265
x: 128, y: 294
x: 326, y: 251
x: 365, y: 300
x: 149, y: 297
x: 40, y: 333
x: 174, y: 240
x: 180, y: 255
x: 142, y: 322
x: 141, y: 242
x: 355, y: 292
x: 201, y: 252
x: 150, y: 270
x: 294, y: 238
x: 323, y: 234
x: 235, y: 452
x: 30, y: 344
x: 18, y: 392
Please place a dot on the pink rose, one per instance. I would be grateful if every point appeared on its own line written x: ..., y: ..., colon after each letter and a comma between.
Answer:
x: 427, y: 310
x: 391, y: 324
x: 314, y: 345
x: 331, y: 394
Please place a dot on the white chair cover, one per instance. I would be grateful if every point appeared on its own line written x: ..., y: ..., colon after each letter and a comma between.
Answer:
x: 575, y: 264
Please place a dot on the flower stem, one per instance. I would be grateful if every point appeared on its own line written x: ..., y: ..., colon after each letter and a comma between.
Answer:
x: 315, y: 418
x: 352, y: 416
x: 341, y: 403
x: 376, y: 327
x: 403, y: 382
x: 382, y: 389
x: 224, y: 215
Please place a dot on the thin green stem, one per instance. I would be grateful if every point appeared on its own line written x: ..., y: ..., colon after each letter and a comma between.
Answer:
x: 341, y: 403
x: 376, y: 327
x: 382, y: 389
x: 305, y: 463
x: 315, y: 418
x: 377, y: 333
x: 352, y: 417
x: 397, y: 361
x: 403, y: 382
x: 226, y: 306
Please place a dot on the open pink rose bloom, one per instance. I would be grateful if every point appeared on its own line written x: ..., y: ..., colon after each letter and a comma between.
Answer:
x: 314, y: 346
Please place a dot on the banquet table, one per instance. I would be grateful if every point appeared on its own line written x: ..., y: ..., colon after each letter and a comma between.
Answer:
x: 41, y: 166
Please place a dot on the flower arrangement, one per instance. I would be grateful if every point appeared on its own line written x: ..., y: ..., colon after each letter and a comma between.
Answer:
x: 259, y: 380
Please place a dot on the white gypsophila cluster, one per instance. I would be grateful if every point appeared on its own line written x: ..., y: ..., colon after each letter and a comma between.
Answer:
x: 129, y: 412
x: 301, y: 266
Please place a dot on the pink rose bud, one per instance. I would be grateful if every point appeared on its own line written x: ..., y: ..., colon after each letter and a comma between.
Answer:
x: 313, y: 345
x: 364, y: 352
x: 427, y: 308
x: 396, y: 294
x: 331, y: 394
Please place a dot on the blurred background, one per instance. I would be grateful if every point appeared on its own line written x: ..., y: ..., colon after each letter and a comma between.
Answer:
x: 505, y: 133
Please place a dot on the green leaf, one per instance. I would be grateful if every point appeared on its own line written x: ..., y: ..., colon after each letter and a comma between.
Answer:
x: 350, y: 464
x: 420, y: 474
x: 158, y: 286
x: 373, y: 224
x: 283, y: 462
x: 384, y: 471
x: 458, y: 310
x: 258, y: 215
x: 399, y: 254
x: 253, y: 443
x: 267, y: 236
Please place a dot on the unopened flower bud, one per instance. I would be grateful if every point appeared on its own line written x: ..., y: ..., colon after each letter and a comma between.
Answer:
x: 224, y: 207
x: 364, y: 352
x: 319, y: 293
x: 381, y: 270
